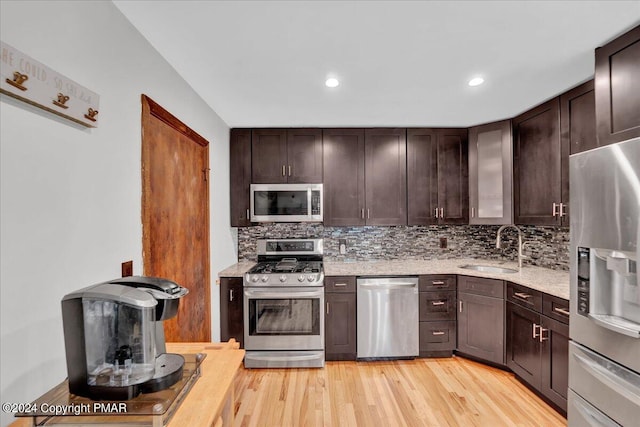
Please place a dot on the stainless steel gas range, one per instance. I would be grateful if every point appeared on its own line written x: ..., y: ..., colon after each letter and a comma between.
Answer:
x: 283, y: 303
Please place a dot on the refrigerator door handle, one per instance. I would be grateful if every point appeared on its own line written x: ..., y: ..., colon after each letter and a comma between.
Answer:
x: 621, y: 326
x: 591, y: 416
x: 615, y: 382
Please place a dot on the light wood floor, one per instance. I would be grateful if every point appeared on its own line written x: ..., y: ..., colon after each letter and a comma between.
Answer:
x: 422, y: 392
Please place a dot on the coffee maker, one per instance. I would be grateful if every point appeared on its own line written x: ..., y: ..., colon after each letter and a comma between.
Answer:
x: 114, y: 337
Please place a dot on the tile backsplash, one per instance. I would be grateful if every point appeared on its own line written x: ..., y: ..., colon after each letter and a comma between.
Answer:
x: 545, y: 246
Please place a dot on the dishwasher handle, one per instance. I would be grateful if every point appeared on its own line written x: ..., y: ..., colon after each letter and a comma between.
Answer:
x: 397, y: 285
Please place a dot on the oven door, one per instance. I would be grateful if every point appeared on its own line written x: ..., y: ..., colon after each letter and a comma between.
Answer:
x: 284, y: 318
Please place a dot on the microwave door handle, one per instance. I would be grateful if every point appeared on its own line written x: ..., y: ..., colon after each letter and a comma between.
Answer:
x: 309, y: 209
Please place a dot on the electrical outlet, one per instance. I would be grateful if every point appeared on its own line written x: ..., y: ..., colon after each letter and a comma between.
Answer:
x: 443, y: 243
x: 127, y: 268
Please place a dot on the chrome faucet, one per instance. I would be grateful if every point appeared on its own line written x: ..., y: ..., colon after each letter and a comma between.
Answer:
x: 520, y: 256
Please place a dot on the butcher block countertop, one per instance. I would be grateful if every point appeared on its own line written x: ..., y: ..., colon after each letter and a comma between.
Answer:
x: 211, y: 400
x: 553, y: 282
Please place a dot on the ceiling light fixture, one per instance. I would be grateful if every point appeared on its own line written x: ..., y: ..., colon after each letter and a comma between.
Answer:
x: 332, y: 82
x: 476, y: 81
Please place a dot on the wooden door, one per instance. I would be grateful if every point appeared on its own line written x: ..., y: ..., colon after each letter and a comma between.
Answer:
x: 269, y: 156
x: 343, y: 163
x: 617, y: 88
x: 578, y: 118
x: 481, y: 327
x: 555, y: 361
x: 231, y: 309
x: 304, y: 156
x: 523, y: 348
x: 240, y: 178
x: 422, y: 176
x: 385, y: 171
x: 453, y: 176
x: 537, y: 165
x: 175, y: 216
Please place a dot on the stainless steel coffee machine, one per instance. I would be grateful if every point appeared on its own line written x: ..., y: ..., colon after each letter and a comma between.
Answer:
x: 114, y: 337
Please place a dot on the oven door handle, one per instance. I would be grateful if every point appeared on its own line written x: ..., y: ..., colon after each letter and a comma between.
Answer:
x: 282, y: 294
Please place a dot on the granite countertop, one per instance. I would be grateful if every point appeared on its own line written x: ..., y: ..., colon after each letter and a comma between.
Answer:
x: 553, y: 282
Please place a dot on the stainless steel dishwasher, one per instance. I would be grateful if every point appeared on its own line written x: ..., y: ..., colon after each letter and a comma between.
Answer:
x: 387, y: 317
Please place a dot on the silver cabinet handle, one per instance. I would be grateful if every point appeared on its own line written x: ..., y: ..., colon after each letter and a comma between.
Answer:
x: 562, y: 213
x: 460, y: 306
x: 522, y: 295
x: 439, y: 283
x: 337, y: 285
x: 327, y: 308
x: 289, y: 170
x: 284, y: 172
x: 362, y: 213
x: 437, y: 333
x: 534, y: 334
x: 441, y: 212
x: 437, y: 303
x: 554, y: 212
x: 473, y: 212
x: 436, y: 212
x: 542, y: 331
x: 247, y: 213
x: 561, y: 311
x: 368, y: 214
x: 230, y: 295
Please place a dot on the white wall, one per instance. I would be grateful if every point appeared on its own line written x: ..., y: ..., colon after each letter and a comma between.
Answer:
x: 70, y: 197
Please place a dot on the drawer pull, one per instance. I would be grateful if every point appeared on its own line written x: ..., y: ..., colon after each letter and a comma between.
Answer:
x: 561, y: 311
x: 522, y: 295
x: 440, y: 283
x: 339, y: 285
x: 437, y: 333
x: 437, y: 303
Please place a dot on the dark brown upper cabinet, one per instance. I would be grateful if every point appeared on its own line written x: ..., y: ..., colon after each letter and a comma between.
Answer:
x: 240, y: 177
x: 578, y: 118
x: 617, y: 85
x: 343, y: 162
x: 385, y: 152
x: 286, y: 155
x: 365, y: 179
x: 538, y: 163
x: 437, y: 176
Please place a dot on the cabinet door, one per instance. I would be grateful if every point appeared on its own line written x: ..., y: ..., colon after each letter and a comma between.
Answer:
x: 578, y: 118
x: 240, y: 179
x: 231, y: 311
x: 340, y: 326
x: 491, y: 174
x: 422, y: 176
x: 453, y: 176
x: 537, y: 165
x: 343, y: 163
x: 617, y: 88
x: 523, y: 344
x: 269, y: 156
x: 385, y: 176
x: 555, y: 361
x: 304, y: 156
x: 481, y: 327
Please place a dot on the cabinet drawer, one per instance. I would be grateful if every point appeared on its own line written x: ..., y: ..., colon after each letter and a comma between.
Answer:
x: 340, y: 284
x: 481, y: 286
x: 435, y: 336
x: 437, y: 282
x: 524, y: 297
x: 437, y: 306
x: 556, y: 308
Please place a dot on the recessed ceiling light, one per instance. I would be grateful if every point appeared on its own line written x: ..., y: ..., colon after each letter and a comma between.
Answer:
x: 476, y: 81
x: 332, y: 82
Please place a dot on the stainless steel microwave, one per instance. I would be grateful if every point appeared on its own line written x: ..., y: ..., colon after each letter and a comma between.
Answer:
x: 286, y: 202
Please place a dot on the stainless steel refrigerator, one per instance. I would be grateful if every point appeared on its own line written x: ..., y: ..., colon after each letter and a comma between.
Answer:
x: 604, y: 352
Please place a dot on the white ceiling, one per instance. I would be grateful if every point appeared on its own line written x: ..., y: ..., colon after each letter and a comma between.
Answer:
x: 264, y: 63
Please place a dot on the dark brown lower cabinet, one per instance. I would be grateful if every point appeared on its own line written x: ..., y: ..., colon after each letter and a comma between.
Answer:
x: 437, y: 311
x: 538, y: 346
x: 481, y: 318
x: 340, y: 318
x: 231, y: 310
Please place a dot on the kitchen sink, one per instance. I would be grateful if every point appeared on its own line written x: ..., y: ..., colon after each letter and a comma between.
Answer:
x: 488, y: 268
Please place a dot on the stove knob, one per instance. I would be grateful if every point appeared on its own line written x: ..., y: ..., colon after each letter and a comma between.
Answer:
x: 311, y: 277
x: 265, y: 278
x: 283, y: 278
x: 301, y: 278
x: 255, y: 279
